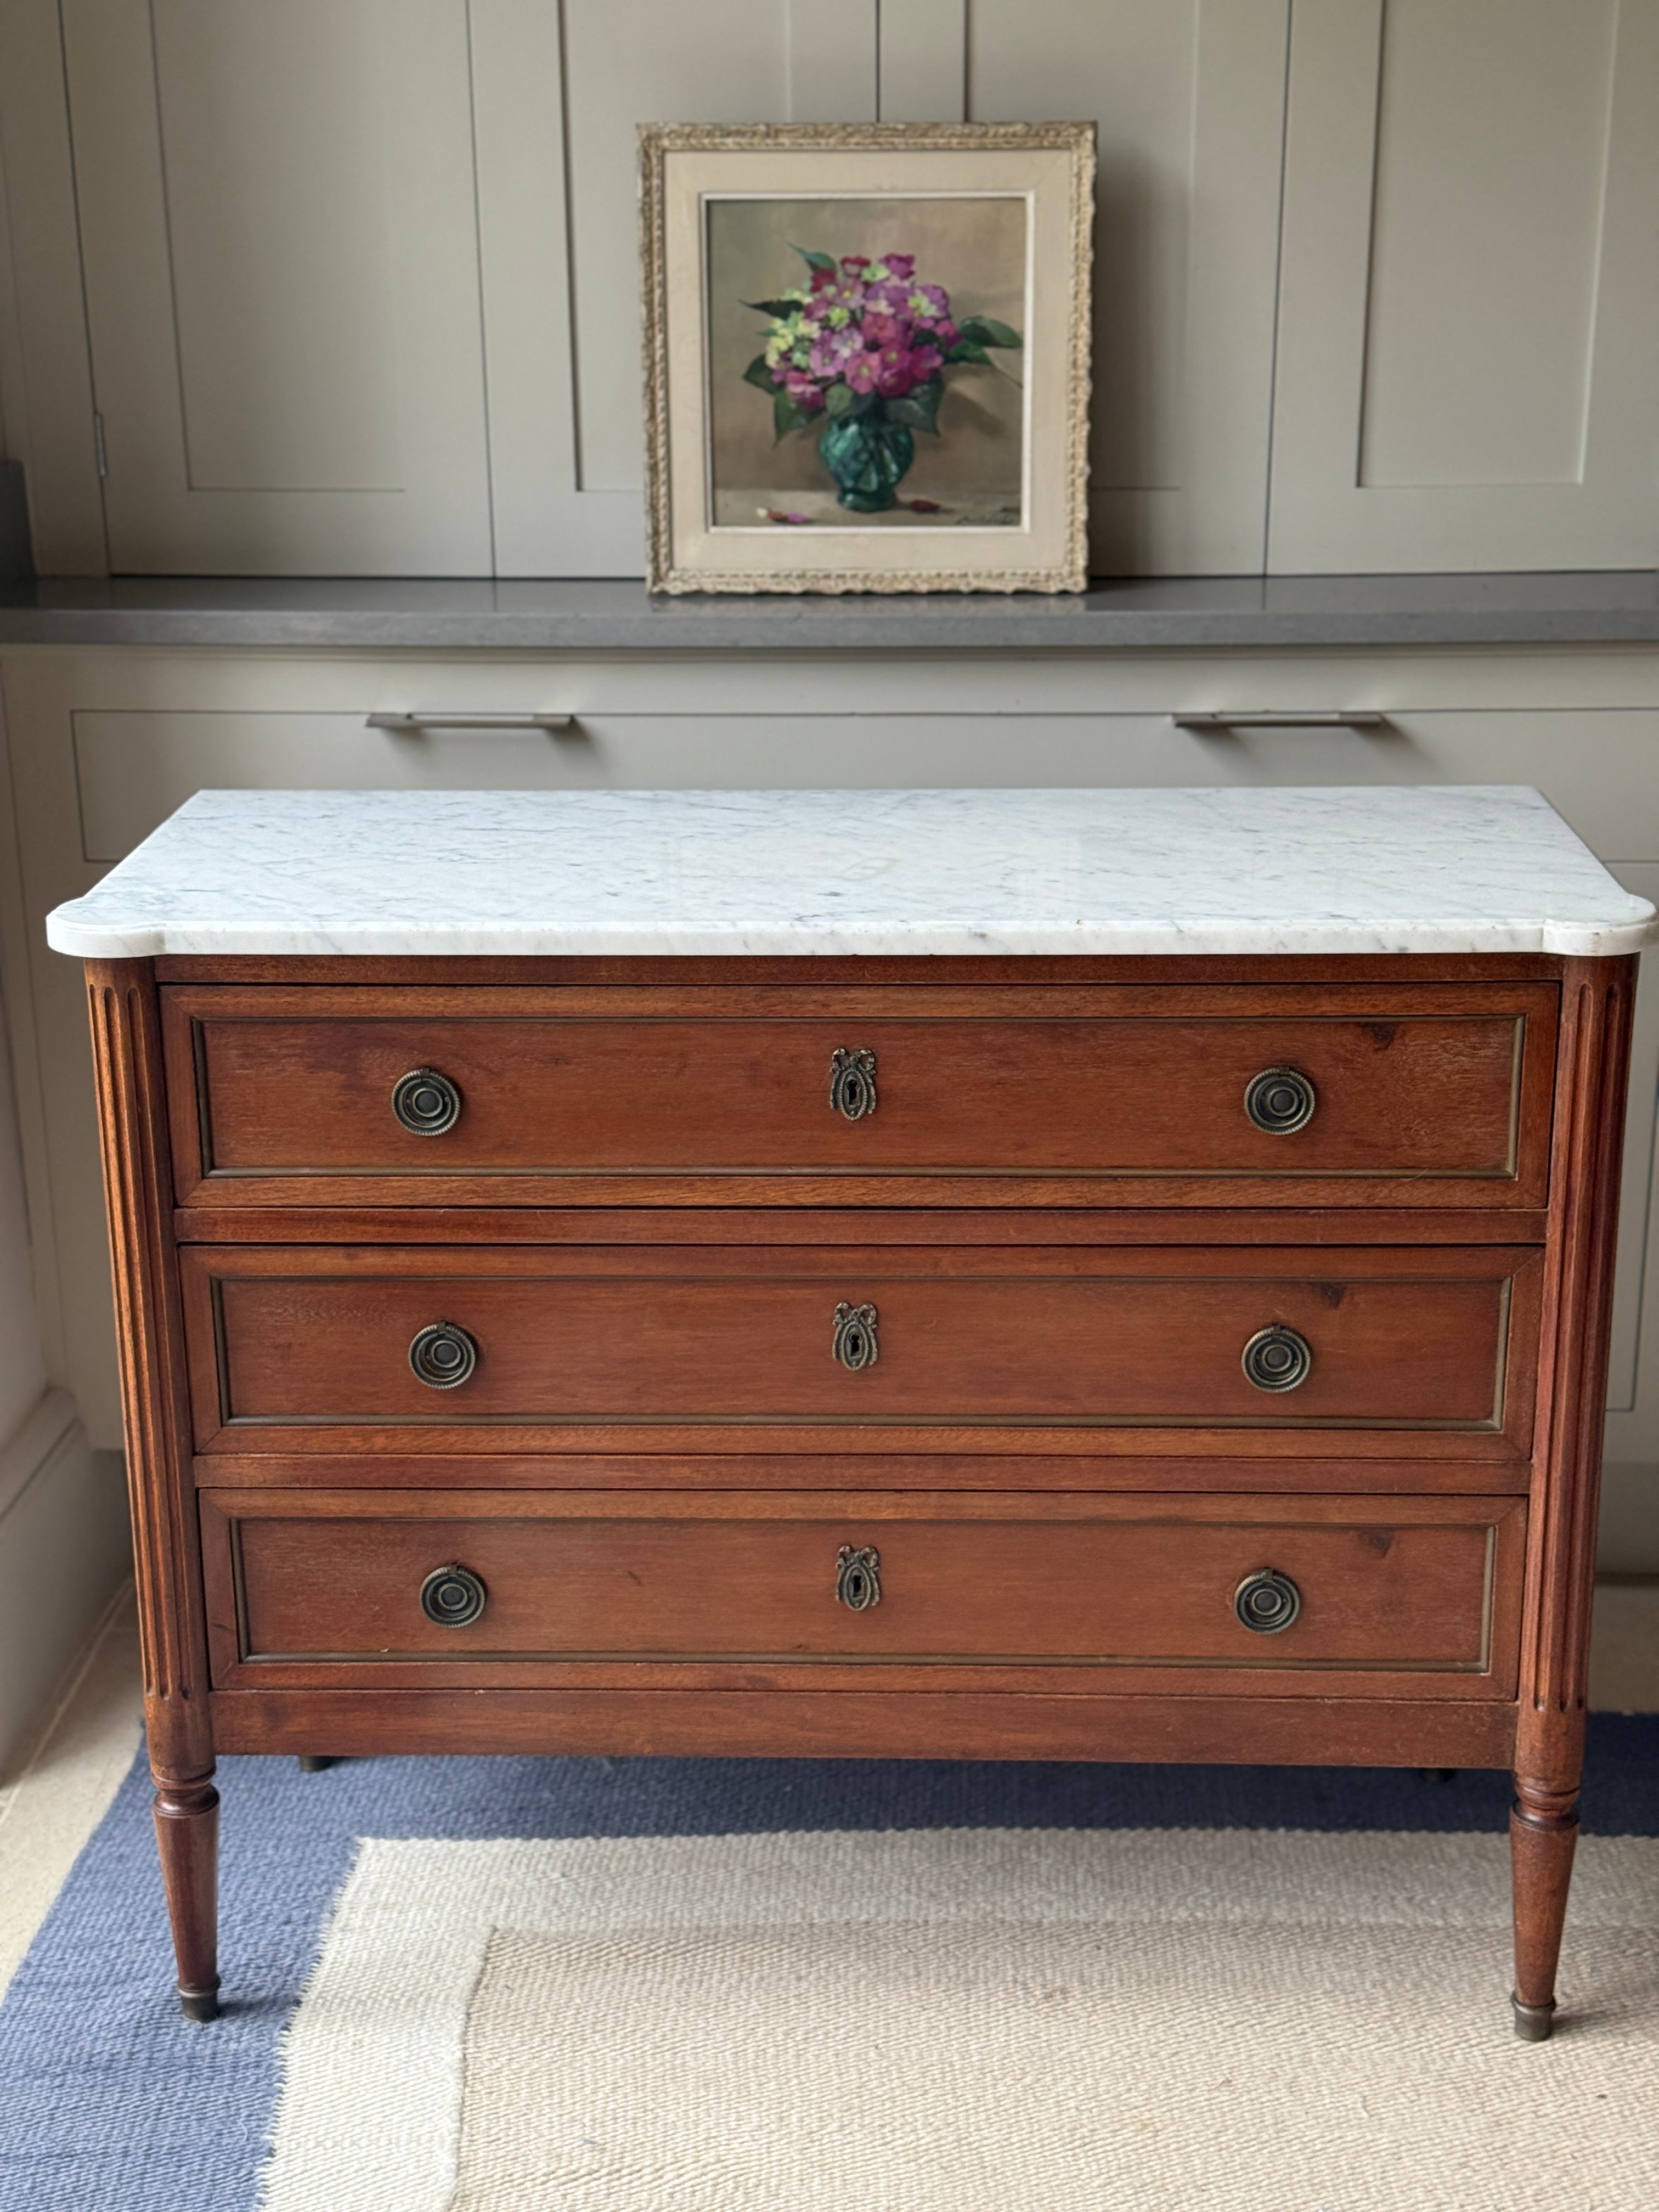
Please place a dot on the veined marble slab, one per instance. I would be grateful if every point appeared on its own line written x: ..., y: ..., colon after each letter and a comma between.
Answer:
x: 1426, y: 869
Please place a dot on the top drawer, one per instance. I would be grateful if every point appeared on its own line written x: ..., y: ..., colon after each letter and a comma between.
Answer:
x: 1418, y: 1094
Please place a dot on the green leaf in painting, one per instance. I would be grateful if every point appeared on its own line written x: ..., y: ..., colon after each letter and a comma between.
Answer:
x: 779, y: 309
x: 786, y: 416
x: 919, y: 409
x: 838, y: 400
x: 816, y: 260
x: 759, y: 374
x: 965, y: 349
x: 982, y: 330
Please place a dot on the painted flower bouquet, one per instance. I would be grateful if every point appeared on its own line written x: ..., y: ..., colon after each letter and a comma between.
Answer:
x: 858, y: 355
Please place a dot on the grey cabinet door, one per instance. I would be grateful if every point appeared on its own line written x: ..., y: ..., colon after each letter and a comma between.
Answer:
x: 1469, y: 314
x: 281, y: 258
x: 560, y: 92
x: 1189, y: 96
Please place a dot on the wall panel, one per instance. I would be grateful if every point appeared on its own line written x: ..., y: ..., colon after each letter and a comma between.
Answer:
x: 1468, y: 319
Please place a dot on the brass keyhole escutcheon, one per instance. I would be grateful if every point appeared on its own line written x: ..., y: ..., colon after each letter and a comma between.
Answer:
x: 1280, y: 1099
x: 1266, y: 1602
x: 854, y: 1340
x: 853, y: 1083
x: 858, y: 1576
x: 426, y: 1103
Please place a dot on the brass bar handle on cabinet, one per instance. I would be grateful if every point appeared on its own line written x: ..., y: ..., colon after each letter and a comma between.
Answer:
x: 1266, y: 1602
x: 853, y: 1341
x: 442, y: 1355
x: 1280, y: 1099
x: 858, y: 1576
x: 1277, y: 1359
x: 452, y: 1596
x: 1365, y: 718
x: 852, y: 1082
x: 426, y: 1103
x: 418, y: 721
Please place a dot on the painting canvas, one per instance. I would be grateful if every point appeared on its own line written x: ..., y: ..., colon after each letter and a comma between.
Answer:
x: 864, y: 361
x: 866, y: 356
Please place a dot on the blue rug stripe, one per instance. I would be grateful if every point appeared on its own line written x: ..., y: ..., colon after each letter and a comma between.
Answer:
x: 109, y: 2102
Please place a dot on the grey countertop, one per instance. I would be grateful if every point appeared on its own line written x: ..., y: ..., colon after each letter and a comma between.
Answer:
x: 1613, y: 607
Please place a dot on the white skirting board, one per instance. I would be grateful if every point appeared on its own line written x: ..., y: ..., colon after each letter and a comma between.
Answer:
x: 64, y: 1548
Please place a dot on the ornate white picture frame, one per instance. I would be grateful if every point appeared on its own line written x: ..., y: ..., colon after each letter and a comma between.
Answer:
x: 866, y: 356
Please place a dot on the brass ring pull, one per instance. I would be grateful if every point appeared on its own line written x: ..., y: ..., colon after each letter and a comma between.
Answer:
x: 852, y: 1082
x: 854, y: 1340
x: 426, y: 1103
x: 1266, y: 1602
x: 1280, y: 1099
x: 443, y: 1356
x: 1277, y: 1359
x: 452, y: 1596
x: 858, y: 1576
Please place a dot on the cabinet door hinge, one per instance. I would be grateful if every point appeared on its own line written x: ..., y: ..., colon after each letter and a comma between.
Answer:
x: 98, y: 447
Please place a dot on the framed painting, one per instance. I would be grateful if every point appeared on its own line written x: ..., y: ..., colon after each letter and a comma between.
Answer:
x: 866, y: 356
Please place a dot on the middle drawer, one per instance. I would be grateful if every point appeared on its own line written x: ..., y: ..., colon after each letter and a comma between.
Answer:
x: 333, y: 1348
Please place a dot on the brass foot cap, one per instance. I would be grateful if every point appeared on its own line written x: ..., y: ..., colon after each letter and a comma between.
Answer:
x: 200, y: 2004
x: 309, y: 1764
x: 1533, y: 2023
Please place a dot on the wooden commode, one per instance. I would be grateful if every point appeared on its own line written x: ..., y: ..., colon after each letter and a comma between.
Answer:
x: 1104, y: 1275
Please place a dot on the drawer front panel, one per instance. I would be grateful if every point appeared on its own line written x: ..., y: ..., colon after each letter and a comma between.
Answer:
x: 1403, y: 1586
x: 329, y: 1340
x: 1442, y: 1089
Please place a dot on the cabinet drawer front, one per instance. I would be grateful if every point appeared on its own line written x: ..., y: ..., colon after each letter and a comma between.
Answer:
x: 315, y: 1338
x: 1404, y: 1585
x: 1439, y: 1090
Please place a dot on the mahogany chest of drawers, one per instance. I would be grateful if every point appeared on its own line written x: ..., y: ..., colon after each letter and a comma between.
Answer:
x: 1193, y: 1357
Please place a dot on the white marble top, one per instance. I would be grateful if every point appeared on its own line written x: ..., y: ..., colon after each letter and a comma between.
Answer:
x: 1424, y: 869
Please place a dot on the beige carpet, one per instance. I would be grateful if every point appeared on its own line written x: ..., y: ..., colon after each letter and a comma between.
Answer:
x: 983, y: 2020
x: 921, y: 2068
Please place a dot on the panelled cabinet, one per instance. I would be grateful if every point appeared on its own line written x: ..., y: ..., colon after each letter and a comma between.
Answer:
x: 1374, y: 276
x: 1469, y: 316
x: 105, y: 744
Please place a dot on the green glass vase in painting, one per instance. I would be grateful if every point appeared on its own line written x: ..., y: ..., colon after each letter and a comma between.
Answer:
x: 867, y: 456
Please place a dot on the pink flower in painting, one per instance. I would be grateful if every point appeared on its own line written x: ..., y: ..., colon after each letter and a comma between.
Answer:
x: 894, y: 375
x: 883, y: 330
x: 863, y: 325
x: 834, y: 351
x: 843, y: 291
x: 887, y: 299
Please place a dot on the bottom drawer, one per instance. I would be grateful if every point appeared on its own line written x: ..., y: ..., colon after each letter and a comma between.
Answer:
x: 1412, y: 1595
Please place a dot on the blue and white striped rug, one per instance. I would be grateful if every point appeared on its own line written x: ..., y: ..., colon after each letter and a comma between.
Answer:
x: 723, y: 1986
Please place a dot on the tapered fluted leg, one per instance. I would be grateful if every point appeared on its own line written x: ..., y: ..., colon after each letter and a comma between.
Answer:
x: 1543, y: 1831
x: 187, y: 1834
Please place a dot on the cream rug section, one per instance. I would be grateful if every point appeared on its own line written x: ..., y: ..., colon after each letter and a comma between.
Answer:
x: 894, y: 2067
x: 1299, y: 1986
